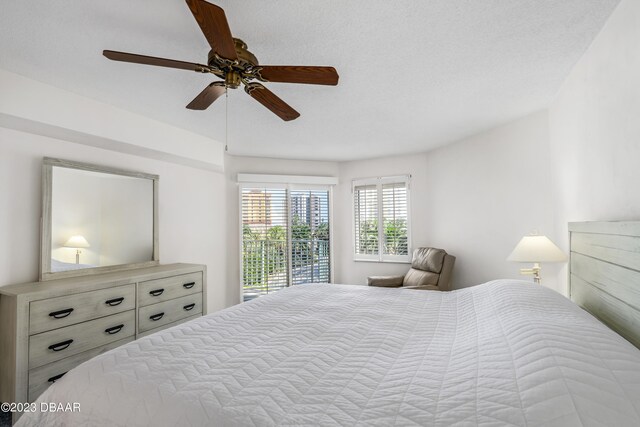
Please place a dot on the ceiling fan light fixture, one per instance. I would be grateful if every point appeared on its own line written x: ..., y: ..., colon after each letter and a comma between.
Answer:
x: 232, y: 79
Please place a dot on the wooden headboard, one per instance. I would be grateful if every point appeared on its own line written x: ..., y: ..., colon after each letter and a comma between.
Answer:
x: 604, y: 273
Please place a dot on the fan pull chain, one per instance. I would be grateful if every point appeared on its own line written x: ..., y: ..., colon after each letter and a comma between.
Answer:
x: 226, y: 119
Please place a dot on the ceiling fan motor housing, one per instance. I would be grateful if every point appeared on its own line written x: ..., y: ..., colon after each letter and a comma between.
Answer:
x: 245, y: 60
x: 233, y: 70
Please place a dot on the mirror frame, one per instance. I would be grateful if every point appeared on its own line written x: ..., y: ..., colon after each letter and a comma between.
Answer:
x: 46, y: 221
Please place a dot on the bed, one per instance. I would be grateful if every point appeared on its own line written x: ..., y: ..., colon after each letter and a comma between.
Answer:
x: 58, y: 266
x: 502, y: 353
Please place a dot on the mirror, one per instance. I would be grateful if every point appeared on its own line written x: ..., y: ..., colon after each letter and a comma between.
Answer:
x: 96, y: 219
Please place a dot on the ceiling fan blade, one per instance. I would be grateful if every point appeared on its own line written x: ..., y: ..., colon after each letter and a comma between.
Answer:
x: 267, y: 98
x: 214, y: 25
x: 152, y: 60
x: 212, y: 92
x: 298, y: 74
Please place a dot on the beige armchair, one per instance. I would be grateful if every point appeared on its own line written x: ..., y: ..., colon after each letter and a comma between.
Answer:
x: 430, y: 269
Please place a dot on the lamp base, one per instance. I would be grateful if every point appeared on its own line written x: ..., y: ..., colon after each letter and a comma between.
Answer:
x: 78, y: 256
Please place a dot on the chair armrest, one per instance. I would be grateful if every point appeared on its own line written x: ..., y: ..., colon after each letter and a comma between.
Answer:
x: 385, y: 281
x: 423, y: 288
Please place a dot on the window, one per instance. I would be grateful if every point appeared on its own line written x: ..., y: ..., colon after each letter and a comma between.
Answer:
x: 264, y: 240
x: 310, y: 236
x: 285, y: 237
x: 381, y: 219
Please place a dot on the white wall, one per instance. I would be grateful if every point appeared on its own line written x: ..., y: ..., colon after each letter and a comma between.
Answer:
x: 42, y: 109
x: 76, y: 212
x: 475, y: 198
x: 595, y: 128
x: 486, y: 192
x: 235, y: 165
x: 191, y: 204
x: 127, y: 234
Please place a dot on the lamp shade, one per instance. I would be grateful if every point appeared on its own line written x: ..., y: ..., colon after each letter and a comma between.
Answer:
x: 77, y: 242
x: 536, y: 249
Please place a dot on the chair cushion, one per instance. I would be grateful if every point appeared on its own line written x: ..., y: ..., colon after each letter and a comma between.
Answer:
x: 428, y: 259
x: 420, y: 278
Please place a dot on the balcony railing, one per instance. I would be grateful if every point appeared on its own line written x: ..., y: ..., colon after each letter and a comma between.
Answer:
x: 266, y: 265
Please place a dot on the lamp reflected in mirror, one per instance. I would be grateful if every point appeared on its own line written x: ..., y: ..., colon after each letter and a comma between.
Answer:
x: 77, y: 243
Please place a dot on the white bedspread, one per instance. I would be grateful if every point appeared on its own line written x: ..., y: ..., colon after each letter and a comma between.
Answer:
x: 502, y: 353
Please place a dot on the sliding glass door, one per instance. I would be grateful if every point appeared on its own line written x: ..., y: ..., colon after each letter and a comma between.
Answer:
x: 285, y: 238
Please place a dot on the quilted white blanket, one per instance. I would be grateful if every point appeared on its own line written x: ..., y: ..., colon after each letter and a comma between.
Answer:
x: 502, y: 353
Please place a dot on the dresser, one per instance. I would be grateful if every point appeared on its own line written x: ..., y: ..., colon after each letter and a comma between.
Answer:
x: 47, y: 328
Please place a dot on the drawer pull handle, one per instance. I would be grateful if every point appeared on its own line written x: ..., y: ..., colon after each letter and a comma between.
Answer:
x: 114, y: 330
x: 56, y: 378
x: 114, y: 302
x: 156, y: 316
x: 189, y: 307
x: 61, y: 345
x: 189, y: 285
x: 156, y: 292
x: 61, y: 314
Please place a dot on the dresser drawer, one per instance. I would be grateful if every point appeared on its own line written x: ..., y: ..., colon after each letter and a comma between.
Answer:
x: 156, y: 315
x: 48, y: 314
x: 155, y: 291
x: 51, y: 346
x: 42, y: 377
x: 167, y: 326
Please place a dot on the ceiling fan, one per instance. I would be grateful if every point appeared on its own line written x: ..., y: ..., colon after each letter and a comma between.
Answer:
x: 230, y: 60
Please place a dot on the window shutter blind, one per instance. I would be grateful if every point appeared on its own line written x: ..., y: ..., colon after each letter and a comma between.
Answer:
x: 264, y: 241
x: 366, y: 219
x: 394, y: 219
x: 285, y: 237
x: 381, y: 219
x: 310, y: 236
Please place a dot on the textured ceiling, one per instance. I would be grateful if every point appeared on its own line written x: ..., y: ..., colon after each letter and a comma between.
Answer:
x: 413, y: 74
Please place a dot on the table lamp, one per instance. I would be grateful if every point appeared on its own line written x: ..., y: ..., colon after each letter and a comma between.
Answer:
x: 536, y: 249
x: 77, y: 242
